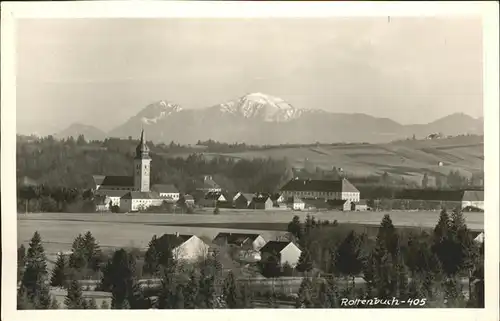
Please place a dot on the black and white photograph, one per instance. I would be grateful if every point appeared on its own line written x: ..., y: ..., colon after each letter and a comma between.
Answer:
x: 220, y: 161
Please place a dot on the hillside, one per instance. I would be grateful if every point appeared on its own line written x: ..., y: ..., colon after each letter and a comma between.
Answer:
x: 405, y: 158
x: 262, y: 119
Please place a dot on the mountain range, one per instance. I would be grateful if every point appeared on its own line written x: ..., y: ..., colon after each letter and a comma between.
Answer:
x: 258, y: 118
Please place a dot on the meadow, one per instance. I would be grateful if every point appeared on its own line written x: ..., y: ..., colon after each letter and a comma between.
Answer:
x: 58, y: 230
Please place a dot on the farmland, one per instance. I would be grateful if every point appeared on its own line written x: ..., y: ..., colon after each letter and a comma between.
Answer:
x: 135, y: 230
x: 406, y: 158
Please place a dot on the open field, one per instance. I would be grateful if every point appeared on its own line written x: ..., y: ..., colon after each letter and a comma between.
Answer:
x: 406, y: 158
x: 58, y: 230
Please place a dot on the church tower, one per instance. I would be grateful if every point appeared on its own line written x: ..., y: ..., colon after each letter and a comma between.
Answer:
x: 142, y: 162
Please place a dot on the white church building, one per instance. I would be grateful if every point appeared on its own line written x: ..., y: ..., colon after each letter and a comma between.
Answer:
x: 133, y: 193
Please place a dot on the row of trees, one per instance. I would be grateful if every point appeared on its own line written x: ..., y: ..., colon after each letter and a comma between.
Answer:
x: 398, y: 264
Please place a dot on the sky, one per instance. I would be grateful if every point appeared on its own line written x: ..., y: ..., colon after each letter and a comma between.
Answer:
x: 101, y: 72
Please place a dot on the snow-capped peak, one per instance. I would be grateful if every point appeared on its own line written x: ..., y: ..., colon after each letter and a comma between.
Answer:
x: 157, y: 111
x: 261, y: 106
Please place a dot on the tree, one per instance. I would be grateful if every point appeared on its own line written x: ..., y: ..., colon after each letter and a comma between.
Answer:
x: 192, y: 290
x: 387, y: 236
x: 35, y: 273
x: 119, y: 278
x: 91, y: 304
x: 74, y: 298
x: 91, y: 251
x: 179, y: 297
x: 347, y: 257
x: 295, y: 228
x: 425, y: 181
x: 304, y: 298
x: 305, y: 263
x: 231, y: 292
x: 77, y: 259
x: 21, y: 261
x: 59, y: 273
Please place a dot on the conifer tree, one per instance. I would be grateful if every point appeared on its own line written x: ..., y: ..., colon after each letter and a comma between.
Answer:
x: 206, y: 294
x: 295, y: 227
x: 305, y: 263
x: 91, y: 251
x: 231, y: 292
x: 21, y: 261
x: 91, y: 304
x: 151, y: 258
x: 347, y: 257
x: 192, y: 291
x: 77, y: 259
x: 35, y: 273
x: 119, y: 278
x: 304, y: 299
x: 59, y: 277
x: 74, y: 298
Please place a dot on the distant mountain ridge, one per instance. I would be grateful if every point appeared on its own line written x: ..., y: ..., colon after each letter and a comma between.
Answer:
x: 260, y: 119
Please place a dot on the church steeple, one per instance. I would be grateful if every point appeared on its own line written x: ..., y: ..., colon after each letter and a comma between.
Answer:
x: 142, y: 163
x: 142, y: 149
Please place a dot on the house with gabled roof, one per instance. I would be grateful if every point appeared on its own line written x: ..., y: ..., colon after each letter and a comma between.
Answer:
x: 326, y: 189
x: 284, y: 251
x: 185, y: 247
x: 261, y: 203
x: 247, y: 244
x: 242, y: 200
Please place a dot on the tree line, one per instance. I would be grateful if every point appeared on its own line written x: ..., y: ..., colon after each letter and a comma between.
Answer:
x: 405, y: 265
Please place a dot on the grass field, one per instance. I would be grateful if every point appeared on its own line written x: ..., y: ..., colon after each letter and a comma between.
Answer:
x: 406, y: 158
x: 58, y: 230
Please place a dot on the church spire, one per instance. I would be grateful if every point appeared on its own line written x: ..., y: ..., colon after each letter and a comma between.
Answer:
x: 142, y: 149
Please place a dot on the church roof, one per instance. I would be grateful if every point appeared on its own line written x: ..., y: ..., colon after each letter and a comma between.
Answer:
x: 124, y: 181
x: 111, y: 193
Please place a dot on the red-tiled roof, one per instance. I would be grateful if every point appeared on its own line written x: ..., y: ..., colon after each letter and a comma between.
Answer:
x: 316, y: 185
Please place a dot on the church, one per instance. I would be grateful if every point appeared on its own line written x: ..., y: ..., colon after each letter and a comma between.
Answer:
x: 134, y: 193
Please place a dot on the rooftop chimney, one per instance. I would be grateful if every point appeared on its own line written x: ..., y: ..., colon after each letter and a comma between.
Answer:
x: 177, y: 234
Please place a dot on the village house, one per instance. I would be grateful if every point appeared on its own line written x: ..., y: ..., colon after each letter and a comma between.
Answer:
x: 167, y: 191
x: 137, y: 194
x: 213, y: 199
x: 326, y: 189
x: 242, y: 200
x: 185, y: 247
x: 284, y: 251
x: 297, y: 204
x: 261, y: 203
x: 241, y: 240
x: 208, y: 185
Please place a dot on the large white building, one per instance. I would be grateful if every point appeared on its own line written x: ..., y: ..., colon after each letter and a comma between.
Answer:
x: 323, y: 189
x: 133, y: 193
